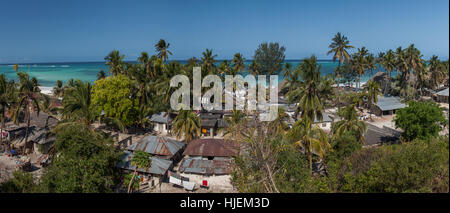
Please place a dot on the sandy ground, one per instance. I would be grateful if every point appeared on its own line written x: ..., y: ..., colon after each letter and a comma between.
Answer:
x: 7, y: 166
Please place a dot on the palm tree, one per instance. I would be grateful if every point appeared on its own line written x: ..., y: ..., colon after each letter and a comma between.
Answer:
x: 349, y: 122
x: 58, y: 91
x: 287, y: 70
x: 4, y: 103
x: 140, y: 159
x: 436, y: 71
x: 279, y: 126
x: 226, y: 69
x: 187, y: 124
x: 144, y: 59
x: 339, y: 46
x: 101, y: 75
x: 162, y: 50
x: 115, y: 62
x: 309, y: 93
x: 360, y: 63
x: 371, y: 63
x: 208, y: 61
x: 388, y: 63
x: 28, y: 100
x: 235, y: 130
x: 238, y: 62
x: 373, y: 90
x: 310, y: 138
x: 77, y: 103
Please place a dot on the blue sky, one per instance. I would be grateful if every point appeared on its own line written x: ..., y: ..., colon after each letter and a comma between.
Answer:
x: 64, y: 31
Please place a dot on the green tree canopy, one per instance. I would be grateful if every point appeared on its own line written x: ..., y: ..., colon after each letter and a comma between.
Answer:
x: 112, y: 95
x: 421, y: 120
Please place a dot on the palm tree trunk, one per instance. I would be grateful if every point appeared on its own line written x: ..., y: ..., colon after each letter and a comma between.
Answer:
x: 339, y: 85
x: 310, y: 162
x: 131, y: 181
x: 26, y: 132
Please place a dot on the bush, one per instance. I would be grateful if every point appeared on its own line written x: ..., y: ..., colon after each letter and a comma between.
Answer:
x: 419, y: 166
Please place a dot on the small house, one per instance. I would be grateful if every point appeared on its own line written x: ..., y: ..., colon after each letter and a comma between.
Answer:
x: 159, y: 146
x: 442, y: 96
x: 162, y: 122
x: 387, y: 105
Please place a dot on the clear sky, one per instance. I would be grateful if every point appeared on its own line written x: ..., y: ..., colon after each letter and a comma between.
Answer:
x: 78, y: 30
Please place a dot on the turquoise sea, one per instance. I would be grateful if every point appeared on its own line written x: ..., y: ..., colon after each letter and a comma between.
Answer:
x: 48, y: 73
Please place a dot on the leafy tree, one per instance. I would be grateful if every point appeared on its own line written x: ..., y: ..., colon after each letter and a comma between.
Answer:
x: 21, y: 182
x: 238, y: 63
x: 419, y: 166
x: 112, y: 95
x: 269, y: 57
x: 140, y: 160
x: 85, y: 162
x: 101, y: 75
x: 421, y: 120
x: 4, y: 103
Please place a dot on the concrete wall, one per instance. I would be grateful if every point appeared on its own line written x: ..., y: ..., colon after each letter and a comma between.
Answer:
x: 215, y: 182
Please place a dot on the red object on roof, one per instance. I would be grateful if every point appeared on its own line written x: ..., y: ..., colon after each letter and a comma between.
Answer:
x: 204, y: 183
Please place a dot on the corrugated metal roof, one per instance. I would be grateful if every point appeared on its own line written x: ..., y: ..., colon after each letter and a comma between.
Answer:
x: 157, y: 145
x: 162, y: 117
x: 210, y: 147
x: 389, y: 103
x: 443, y: 92
x: 207, y: 167
x: 209, y: 123
x: 159, y: 166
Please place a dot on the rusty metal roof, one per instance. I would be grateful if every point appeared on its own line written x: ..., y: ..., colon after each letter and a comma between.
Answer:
x: 210, y: 147
x: 220, y: 166
x: 209, y: 123
x: 157, y: 145
x: 159, y: 166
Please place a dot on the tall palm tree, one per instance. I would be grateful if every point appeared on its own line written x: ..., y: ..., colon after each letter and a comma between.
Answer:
x: 226, y: 69
x: 373, y: 90
x: 140, y: 159
x: 436, y: 71
x: 238, y: 62
x: 187, y: 124
x: 340, y: 46
x: 115, y: 62
x: 28, y: 101
x: 254, y: 68
x: 349, y: 122
x: 4, y: 103
x: 309, y: 93
x: 162, y: 48
x: 77, y: 103
x: 310, y: 138
x: 388, y: 63
x: 360, y: 63
x: 208, y: 61
x: 371, y: 63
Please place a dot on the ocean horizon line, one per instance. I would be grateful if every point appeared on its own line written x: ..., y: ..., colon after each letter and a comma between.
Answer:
x: 135, y: 61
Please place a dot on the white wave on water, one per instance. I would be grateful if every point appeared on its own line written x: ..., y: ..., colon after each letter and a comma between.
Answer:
x: 46, y: 90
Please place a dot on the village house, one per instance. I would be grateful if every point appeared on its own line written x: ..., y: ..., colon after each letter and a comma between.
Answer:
x: 154, y: 175
x: 442, y: 96
x: 209, y: 160
x: 159, y: 146
x: 387, y: 105
x: 162, y: 122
